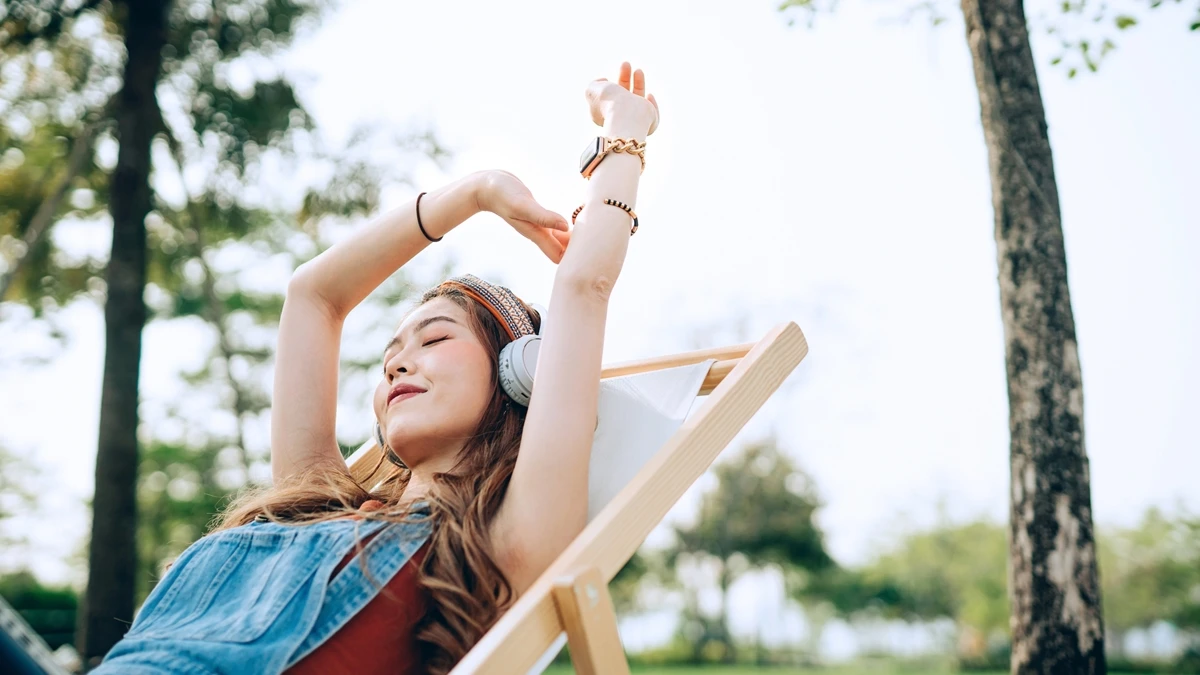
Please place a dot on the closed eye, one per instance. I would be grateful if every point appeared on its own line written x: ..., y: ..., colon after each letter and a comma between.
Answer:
x: 434, y: 341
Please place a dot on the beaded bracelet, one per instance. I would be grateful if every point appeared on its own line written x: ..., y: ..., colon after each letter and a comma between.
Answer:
x: 612, y: 202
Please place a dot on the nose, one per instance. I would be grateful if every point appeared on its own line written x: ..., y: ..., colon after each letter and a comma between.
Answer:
x: 398, y: 366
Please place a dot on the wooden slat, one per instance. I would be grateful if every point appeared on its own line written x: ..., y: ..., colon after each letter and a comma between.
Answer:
x: 717, y: 374
x: 732, y: 352
x: 524, y: 633
x: 362, y: 464
x: 586, y: 611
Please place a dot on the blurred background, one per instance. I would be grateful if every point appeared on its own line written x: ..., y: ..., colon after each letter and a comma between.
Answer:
x: 817, y: 162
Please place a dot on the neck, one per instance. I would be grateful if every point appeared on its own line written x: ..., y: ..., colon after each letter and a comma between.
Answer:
x: 420, y: 480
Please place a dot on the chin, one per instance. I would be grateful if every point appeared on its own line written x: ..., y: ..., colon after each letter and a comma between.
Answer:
x: 412, y: 431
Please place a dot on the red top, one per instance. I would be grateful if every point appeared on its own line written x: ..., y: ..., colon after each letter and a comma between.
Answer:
x: 380, y: 638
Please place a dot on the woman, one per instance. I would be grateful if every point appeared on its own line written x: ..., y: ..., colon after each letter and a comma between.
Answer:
x: 320, y: 574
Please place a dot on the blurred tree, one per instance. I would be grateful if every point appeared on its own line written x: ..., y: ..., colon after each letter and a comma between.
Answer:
x: 760, y: 514
x: 95, y: 87
x: 624, y: 586
x: 179, y: 490
x: 49, y: 611
x: 1151, y: 573
x: 952, y: 570
x: 16, y: 495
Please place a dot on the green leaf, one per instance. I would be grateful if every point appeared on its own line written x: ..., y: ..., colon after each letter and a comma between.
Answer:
x: 1125, y: 21
x: 1072, y: 72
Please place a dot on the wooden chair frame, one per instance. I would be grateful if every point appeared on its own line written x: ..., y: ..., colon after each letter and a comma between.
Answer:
x: 572, y: 594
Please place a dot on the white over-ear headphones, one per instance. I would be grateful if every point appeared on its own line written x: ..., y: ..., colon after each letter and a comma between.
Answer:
x: 518, y: 361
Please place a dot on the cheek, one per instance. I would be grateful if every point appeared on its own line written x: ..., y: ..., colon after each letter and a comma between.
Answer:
x: 471, y: 369
x: 381, y: 391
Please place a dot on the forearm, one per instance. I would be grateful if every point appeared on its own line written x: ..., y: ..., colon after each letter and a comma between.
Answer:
x: 347, y: 272
x: 601, y: 235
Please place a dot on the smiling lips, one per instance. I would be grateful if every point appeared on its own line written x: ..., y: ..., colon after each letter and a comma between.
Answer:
x: 403, y: 392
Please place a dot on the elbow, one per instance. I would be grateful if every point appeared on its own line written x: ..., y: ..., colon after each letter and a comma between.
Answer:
x: 302, y: 282
x: 595, y: 287
x: 306, y: 284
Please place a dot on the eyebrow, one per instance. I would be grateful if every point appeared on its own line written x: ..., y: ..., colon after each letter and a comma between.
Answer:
x: 416, y: 329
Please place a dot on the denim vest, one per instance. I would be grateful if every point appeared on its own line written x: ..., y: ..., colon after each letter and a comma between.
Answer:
x: 258, y: 598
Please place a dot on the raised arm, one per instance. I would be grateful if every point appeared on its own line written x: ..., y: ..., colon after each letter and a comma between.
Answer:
x: 324, y: 290
x: 546, y: 503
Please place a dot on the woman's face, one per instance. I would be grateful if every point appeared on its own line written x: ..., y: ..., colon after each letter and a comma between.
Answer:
x: 437, y: 381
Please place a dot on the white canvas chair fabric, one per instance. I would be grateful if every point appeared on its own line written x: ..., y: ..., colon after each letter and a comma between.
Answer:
x: 637, y: 415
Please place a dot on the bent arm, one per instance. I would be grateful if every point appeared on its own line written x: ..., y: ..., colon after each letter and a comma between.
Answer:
x: 546, y: 504
x: 320, y: 294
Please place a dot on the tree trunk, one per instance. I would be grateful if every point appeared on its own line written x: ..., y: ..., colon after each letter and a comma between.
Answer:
x: 112, y: 559
x: 1056, y: 621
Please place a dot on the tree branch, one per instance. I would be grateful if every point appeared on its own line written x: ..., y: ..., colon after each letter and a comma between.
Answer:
x: 81, y: 151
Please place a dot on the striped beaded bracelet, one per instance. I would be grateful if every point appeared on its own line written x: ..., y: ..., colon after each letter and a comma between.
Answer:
x: 612, y: 202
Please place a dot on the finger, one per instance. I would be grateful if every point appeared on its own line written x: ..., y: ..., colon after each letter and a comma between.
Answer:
x: 533, y: 212
x: 639, y: 82
x: 548, y: 244
x: 654, y: 124
x: 626, y: 69
x: 553, y: 221
x: 563, y: 238
x: 544, y: 239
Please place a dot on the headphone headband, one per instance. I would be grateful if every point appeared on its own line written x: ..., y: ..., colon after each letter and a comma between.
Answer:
x: 500, y: 301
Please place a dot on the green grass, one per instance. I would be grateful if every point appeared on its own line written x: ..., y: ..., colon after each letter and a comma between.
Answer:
x: 751, y: 670
x: 853, y: 669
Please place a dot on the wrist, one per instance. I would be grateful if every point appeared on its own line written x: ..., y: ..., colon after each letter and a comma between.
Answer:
x: 627, y: 121
x: 477, y: 185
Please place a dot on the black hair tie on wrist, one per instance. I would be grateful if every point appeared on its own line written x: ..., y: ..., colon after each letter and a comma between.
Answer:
x: 422, y: 225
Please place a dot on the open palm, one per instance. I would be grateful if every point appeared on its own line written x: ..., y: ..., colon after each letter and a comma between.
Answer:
x: 629, y: 90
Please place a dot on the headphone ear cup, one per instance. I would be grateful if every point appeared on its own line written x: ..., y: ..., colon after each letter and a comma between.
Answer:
x: 541, y: 312
x: 518, y: 361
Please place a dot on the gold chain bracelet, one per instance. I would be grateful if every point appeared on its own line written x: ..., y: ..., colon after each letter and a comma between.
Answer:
x: 631, y: 146
x: 612, y: 202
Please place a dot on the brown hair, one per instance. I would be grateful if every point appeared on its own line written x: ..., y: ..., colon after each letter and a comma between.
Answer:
x: 465, y: 586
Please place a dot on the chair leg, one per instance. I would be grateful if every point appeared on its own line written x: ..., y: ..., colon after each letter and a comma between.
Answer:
x: 586, y: 610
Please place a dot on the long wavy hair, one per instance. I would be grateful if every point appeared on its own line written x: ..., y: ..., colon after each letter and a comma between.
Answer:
x: 465, y: 587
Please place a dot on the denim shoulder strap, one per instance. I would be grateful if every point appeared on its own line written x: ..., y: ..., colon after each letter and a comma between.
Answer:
x: 353, y: 588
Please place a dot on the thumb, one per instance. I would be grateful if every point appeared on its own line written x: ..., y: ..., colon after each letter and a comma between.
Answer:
x: 543, y: 217
x: 556, y: 222
x: 529, y: 210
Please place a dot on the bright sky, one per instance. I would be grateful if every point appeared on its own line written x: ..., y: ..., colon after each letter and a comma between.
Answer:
x: 835, y: 177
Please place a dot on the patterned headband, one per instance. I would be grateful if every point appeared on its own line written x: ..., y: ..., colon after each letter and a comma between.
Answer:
x: 501, y: 302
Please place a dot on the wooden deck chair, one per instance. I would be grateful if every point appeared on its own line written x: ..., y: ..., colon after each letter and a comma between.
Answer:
x: 571, y: 596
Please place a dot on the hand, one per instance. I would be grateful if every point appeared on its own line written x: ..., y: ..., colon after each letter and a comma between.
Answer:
x: 626, y: 97
x: 501, y: 193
